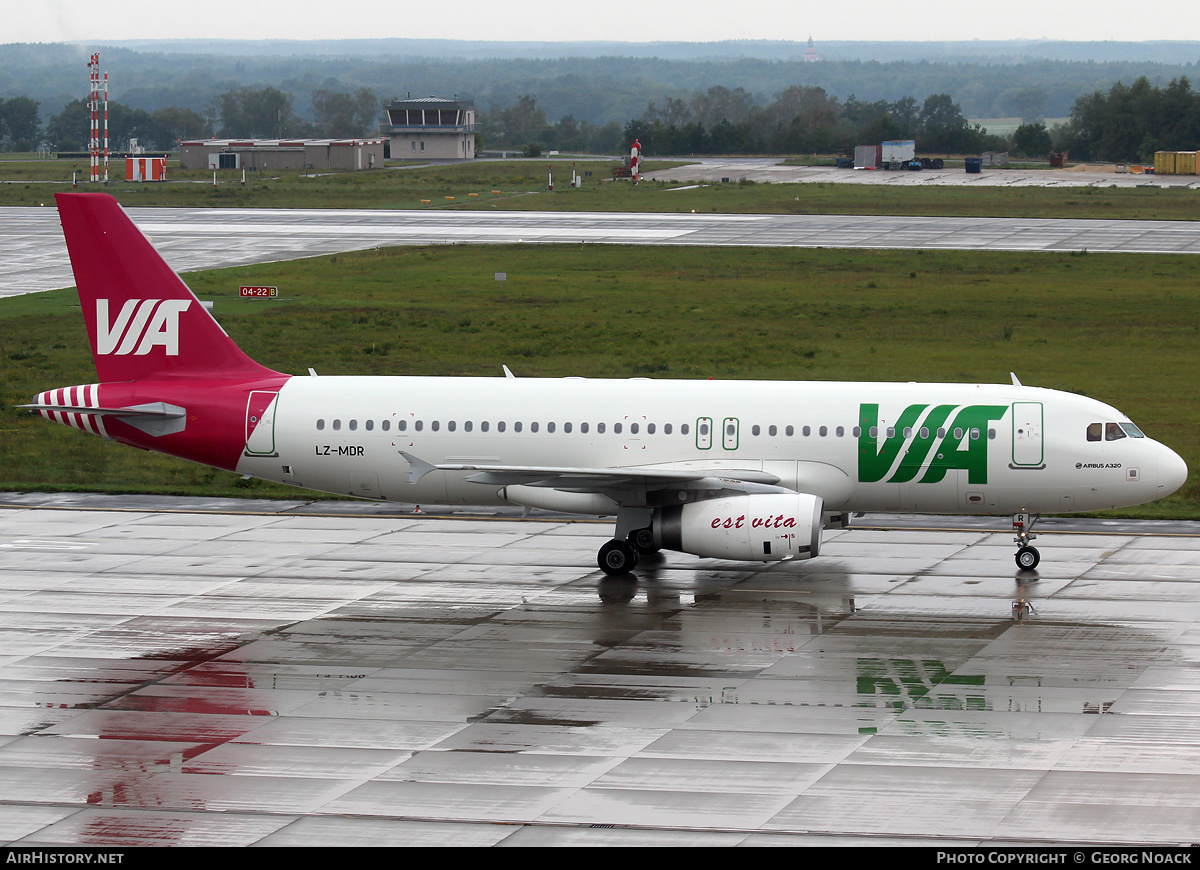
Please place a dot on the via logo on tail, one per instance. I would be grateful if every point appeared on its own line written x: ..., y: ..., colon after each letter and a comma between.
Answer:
x: 144, y: 324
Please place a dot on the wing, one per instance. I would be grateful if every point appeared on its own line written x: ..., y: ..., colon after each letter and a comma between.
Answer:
x: 626, y: 486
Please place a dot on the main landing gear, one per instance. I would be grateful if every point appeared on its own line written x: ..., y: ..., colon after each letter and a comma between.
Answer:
x: 620, y: 555
x: 1027, y: 557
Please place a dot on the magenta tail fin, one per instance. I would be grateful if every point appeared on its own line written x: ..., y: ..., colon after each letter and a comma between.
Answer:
x: 142, y: 320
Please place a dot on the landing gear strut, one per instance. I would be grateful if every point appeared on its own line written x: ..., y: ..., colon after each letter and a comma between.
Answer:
x: 634, y: 536
x: 1027, y: 557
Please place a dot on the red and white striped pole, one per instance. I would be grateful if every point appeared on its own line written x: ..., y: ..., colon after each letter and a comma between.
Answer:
x: 105, y: 122
x: 93, y: 84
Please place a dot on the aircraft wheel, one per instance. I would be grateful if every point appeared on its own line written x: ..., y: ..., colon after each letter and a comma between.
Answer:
x: 643, y: 540
x: 1028, y: 558
x: 617, y: 557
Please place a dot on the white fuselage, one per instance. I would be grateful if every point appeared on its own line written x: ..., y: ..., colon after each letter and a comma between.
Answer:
x: 930, y: 448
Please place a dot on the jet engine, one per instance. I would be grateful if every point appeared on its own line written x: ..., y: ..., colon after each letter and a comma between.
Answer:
x: 768, y: 527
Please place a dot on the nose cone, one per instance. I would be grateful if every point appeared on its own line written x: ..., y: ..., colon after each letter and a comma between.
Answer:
x: 1172, y: 472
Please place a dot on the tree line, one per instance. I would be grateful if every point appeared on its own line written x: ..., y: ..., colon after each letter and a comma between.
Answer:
x: 721, y: 120
x: 1131, y: 122
x: 240, y: 113
x: 1126, y: 123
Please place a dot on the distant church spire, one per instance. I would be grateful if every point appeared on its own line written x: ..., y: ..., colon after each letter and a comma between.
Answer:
x: 810, y: 53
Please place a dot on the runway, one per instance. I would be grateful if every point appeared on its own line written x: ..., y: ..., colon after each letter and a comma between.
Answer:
x: 203, y: 672
x: 191, y: 239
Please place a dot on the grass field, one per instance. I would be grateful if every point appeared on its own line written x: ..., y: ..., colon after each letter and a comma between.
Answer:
x: 1124, y: 328
x: 522, y: 185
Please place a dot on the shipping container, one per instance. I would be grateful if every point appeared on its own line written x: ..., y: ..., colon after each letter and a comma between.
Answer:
x: 866, y: 156
x: 1185, y: 162
x: 1164, y: 162
x: 898, y: 153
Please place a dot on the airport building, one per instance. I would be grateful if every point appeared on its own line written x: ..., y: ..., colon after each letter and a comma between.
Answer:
x: 431, y: 127
x: 266, y: 154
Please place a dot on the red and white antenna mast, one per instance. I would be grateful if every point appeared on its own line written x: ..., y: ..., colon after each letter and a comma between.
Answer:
x: 94, y: 106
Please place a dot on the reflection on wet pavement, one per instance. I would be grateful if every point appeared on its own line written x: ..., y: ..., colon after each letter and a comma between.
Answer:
x: 174, y: 678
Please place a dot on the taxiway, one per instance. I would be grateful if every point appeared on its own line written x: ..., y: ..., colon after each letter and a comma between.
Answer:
x: 179, y: 672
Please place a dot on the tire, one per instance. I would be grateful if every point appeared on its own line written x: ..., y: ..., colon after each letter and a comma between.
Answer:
x: 643, y: 541
x: 1028, y: 558
x: 617, y: 557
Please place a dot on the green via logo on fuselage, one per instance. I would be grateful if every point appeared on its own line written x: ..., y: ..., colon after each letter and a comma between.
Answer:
x: 934, y: 446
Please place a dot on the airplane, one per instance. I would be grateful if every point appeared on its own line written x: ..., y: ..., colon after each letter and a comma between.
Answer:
x: 738, y: 470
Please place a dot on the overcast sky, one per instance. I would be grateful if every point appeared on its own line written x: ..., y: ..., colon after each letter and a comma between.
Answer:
x: 555, y: 21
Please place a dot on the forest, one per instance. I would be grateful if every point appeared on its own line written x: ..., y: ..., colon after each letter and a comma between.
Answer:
x: 1118, y: 107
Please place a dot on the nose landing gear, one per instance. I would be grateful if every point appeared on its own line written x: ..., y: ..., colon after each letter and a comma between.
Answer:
x: 1027, y: 557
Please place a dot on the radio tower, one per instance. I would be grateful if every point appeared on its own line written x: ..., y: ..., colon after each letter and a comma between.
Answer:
x: 94, y: 105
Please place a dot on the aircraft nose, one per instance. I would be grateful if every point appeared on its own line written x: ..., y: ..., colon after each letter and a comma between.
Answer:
x: 1172, y: 472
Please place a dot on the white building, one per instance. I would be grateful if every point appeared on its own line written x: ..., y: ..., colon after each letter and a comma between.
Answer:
x: 431, y: 127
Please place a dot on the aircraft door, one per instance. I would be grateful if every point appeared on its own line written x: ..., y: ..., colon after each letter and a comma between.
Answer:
x: 729, y: 433
x: 260, y: 423
x: 1027, y: 447
x: 704, y: 436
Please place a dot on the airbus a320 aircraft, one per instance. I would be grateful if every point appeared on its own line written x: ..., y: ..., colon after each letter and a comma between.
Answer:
x: 747, y: 470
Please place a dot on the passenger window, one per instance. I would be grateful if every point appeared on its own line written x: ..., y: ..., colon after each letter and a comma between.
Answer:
x: 320, y: 425
x: 435, y: 425
x: 567, y: 428
x: 419, y: 425
x: 755, y: 430
x: 1113, y: 432
x: 385, y: 425
x: 484, y: 425
x: 337, y: 424
x: 516, y: 427
x: 533, y: 427
x: 666, y: 428
x: 370, y: 424
x: 841, y: 431
x: 649, y: 428
x: 683, y: 428
x: 550, y: 428
x: 468, y: 426
x: 353, y: 425
x: 789, y: 431
x: 500, y: 426
x: 771, y: 430
x: 451, y: 425
x: 401, y: 425
x: 583, y: 428
x: 617, y: 428
x: 600, y: 428
x: 823, y: 431
x: 633, y: 428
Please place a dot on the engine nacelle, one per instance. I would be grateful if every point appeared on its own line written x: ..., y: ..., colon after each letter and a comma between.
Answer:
x: 770, y: 527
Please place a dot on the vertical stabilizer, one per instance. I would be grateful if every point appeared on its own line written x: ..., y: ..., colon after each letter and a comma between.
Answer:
x: 142, y: 320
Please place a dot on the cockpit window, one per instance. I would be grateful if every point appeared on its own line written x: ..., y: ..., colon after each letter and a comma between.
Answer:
x: 1132, y: 431
x: 1113, y: 432
x: 1095, y: 431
